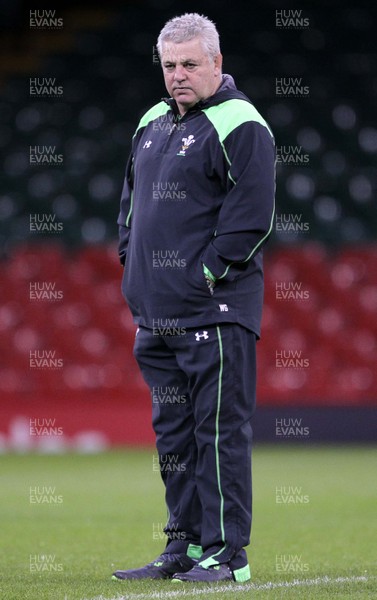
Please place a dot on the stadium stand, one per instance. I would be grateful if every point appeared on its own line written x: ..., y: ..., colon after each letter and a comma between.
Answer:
x: 61, y: 287
x: 320, y: 313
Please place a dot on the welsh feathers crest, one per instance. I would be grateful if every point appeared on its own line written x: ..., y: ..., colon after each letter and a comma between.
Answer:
x: 187, y: 141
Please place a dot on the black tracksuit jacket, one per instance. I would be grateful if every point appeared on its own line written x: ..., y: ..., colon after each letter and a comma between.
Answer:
x: 198, y: 198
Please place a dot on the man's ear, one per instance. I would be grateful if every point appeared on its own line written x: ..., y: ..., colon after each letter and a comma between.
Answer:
x: 218, y: 64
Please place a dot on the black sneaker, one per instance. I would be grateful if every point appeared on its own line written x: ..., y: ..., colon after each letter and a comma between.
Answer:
x: 198, y: 573
x: 164, y: 567
x: 212, y: 574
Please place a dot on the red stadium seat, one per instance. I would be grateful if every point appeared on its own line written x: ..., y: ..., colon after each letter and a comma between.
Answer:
x: 320, y: 309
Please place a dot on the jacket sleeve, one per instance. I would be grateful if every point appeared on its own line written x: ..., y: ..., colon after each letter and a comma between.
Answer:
x: 246, y: 217
x: 125, y: 215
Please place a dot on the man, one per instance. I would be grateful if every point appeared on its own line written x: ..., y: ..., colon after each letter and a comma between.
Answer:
x: 196, y: 209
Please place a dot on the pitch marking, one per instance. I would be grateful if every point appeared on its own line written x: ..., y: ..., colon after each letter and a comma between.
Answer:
x: 270, y: 585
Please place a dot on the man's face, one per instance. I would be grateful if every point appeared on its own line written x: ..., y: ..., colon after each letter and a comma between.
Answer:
x: 190, y: 74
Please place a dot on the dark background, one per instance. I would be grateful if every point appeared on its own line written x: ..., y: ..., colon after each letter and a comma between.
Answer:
x: 105, y: 61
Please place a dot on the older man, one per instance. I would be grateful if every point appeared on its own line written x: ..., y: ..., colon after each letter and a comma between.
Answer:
x: 196, y: 209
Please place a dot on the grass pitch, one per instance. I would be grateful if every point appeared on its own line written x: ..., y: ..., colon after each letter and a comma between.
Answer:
x: 68, y: 521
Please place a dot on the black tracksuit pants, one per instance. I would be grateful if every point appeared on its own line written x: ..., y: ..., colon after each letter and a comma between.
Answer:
x: 203, y: 383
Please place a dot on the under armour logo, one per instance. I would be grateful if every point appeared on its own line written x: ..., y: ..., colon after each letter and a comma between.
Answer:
x: 199, y: 336
x: 147, y: 144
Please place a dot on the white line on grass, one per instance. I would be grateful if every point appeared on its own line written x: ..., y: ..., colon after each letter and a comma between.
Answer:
x: 270, y: 585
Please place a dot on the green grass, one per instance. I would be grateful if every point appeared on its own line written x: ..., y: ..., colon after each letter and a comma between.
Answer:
x: 111, y: 501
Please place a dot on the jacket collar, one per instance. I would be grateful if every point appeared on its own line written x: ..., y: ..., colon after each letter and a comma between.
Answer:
x: 226, y: 91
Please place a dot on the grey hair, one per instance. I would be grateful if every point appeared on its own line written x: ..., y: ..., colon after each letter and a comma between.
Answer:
x: 189, y: 26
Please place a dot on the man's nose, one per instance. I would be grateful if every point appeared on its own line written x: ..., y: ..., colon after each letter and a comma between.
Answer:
x: 179, y: 73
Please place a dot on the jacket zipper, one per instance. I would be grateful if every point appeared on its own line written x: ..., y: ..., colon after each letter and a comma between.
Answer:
x: 175, y: 128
